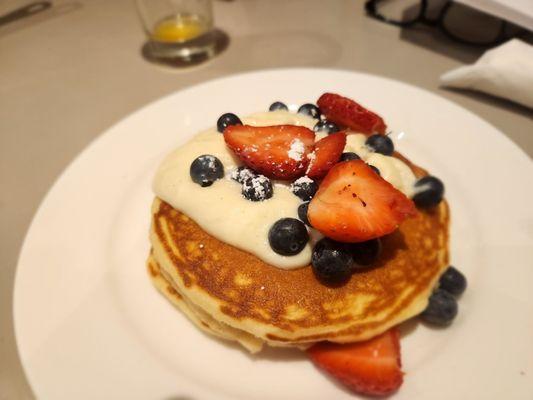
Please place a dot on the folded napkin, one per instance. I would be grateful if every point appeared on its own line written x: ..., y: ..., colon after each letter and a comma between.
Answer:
x: 505, y: 71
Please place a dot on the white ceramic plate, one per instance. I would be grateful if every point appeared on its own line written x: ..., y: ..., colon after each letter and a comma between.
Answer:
x: 90, y: 325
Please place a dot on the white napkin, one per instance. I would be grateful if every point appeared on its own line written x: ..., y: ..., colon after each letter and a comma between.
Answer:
x: 505, y: 71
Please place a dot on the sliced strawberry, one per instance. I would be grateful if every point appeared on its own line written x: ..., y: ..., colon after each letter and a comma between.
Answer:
x: 355, y: 204
x: 346, y: 112
x: 372, y: 367
x: 327, y: 152
x: 278, y: 151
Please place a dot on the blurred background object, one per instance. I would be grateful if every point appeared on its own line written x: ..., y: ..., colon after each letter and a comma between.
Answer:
x: 18, y: 14
x: 505, y: 71
x: 24, y: 11
x: 180, y: 32
x: 458, y: 22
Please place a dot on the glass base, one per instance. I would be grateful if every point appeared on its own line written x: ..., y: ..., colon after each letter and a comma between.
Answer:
x: 192, y: 52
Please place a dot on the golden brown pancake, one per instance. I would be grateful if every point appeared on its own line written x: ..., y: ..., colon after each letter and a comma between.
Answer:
x: 291, y: 307
x: 199, y: 317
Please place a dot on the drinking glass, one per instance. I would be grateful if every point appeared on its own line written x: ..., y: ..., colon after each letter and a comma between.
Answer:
x: 179, y: 31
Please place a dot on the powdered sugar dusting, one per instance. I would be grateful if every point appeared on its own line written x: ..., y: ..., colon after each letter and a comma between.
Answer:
x: 210, y: 161
x: 298, y: 183
x: 242, y: 174
x: 260, y: 185
x: 303, y: 179
x: 311, y: 157
x: 297, y: 150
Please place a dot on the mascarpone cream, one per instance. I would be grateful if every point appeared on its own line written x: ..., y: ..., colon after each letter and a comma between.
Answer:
x: 223, y: 212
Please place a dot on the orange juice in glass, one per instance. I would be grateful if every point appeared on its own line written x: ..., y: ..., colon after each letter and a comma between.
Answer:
x: 179, y: 29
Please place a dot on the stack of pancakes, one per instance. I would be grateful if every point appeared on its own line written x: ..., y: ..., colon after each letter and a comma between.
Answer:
x: 234, y: 295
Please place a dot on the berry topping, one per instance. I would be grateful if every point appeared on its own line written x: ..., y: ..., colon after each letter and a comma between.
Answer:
x: 278, y: 105
x: 304, y: 187
x: 226, y: 120
x: 372, y: 367
x: 349, y: 156
x: 242, y: 174
x: 348, y: 113
x: 302, y: 213
x: 354, y: 204
x: 331, y: 261
x: 206, y: 169
x: 365, y: 253
x: 375, y: 169
x: 326, y: 126
x: 441, y: 309
x: 288, y: 236
x: 278, y: 151
x: 258, y: 188
x: 326, y: 154
x: 310, y: 110
x: 428, y: 192
x: 380, y: 144
x: 453, y: 281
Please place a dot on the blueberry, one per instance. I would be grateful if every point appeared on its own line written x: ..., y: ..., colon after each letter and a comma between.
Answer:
x: 226, y: 120
x: 453, y: 281
x: 310, y: 110
x: 441, y: 309
x: 258, y: 188
x: 365, y: 253
x: 380, y: 144
x: 288, y: 236
x: 375, y: 169
x: 206, y: 169
x: 304, y: 187
x: 331, y: 261
x: 242, y: 174
x: 302, y: 213
x: 428, y: 191
x: 278, y: 105
x: 349, y: 156
x: 326, y: 126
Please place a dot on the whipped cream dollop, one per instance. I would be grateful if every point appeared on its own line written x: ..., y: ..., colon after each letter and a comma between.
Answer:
x: 222, y: 211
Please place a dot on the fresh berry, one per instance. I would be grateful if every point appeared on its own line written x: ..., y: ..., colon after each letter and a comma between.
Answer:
x: 380, y: 144
x: 372, y: 367
x: 206, y: 169
x: 278, y: 105
x: 331, y: 261
x: 327, y: 153
x: 429, y: 191
x: 354, y: 204
x: 441, y: 309
x: 242, y: 174
x: 365, y: 253
x: 453, y: 281
x: 278, y: 151
x: 375, y: 169
x: 348, y: 113
x: 258, y: 188
x: 302, y: 213
x: 304, y: 187
x: 226, y: 120
x: 349, y: 156
x: 326, y: 126
x: 310, y: 110
x: 288, y: 236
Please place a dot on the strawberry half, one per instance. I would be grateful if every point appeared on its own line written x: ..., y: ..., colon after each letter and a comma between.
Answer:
x: 327, y: 152
x: 346, y: 112
x: 278, y: 151
x: 372, y: 367
x: 355, y: 204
